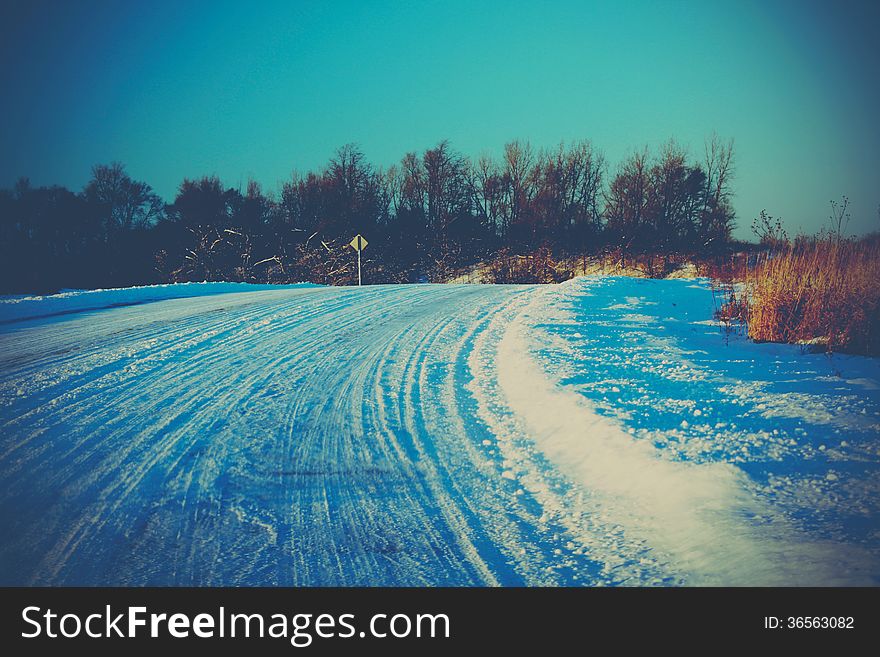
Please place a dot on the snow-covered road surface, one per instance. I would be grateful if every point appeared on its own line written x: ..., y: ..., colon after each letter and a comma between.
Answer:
x: 597, y: 432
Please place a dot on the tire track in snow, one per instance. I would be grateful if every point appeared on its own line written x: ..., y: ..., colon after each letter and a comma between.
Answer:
x: 265, y: 443
x: 116, y: 487
x: 344, y: 437
x: 195, y: 423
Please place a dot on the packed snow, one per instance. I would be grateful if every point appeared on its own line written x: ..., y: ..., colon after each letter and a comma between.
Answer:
x: 601, y: 432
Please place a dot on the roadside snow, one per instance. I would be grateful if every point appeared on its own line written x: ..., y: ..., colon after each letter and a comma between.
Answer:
x: 16, y: 308
x: 702, y: 520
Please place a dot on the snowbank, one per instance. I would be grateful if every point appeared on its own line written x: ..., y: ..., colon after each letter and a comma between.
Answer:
x: 24, y: 307
x: 687, y: 510
x: 600, y: 375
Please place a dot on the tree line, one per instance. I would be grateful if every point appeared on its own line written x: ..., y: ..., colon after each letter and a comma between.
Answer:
x: 424, y: 217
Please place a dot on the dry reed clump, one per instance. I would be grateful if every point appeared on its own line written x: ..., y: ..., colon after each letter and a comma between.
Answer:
x: 819, y: 292
x: 538, y: 267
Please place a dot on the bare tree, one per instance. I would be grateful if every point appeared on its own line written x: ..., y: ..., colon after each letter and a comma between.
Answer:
x: 626, y: 202
x: 519, y: 176
x: 717, y: 216
x: 487, y: 190
x: 675, y: 195
x: 126, y: 203
x: 446, y: 187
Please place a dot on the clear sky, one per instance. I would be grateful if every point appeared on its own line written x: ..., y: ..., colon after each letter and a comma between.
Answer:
x: 257, y: 89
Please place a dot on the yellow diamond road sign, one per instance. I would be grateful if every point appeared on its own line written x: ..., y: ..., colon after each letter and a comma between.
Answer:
x: 358, y: 243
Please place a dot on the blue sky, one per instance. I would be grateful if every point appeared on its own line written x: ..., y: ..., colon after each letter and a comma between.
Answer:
x: 258, y: 89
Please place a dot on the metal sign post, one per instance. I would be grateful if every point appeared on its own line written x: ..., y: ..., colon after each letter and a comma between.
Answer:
x: 358, y: 244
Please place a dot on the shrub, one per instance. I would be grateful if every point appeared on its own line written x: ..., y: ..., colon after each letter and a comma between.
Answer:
x: 818, y: 291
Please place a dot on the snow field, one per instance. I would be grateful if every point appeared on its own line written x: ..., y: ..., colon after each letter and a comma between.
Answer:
x: 600, y: 432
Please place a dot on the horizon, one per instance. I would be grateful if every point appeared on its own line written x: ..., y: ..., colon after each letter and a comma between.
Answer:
x: 259, y: 92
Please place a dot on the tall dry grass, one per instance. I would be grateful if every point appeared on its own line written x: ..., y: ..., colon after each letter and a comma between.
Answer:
x: 818, y: 291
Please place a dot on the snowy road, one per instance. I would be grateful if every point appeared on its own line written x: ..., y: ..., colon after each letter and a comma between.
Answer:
x: 598, y: 432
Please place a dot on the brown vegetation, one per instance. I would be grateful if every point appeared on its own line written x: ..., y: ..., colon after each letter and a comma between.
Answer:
x: 821, y: 292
